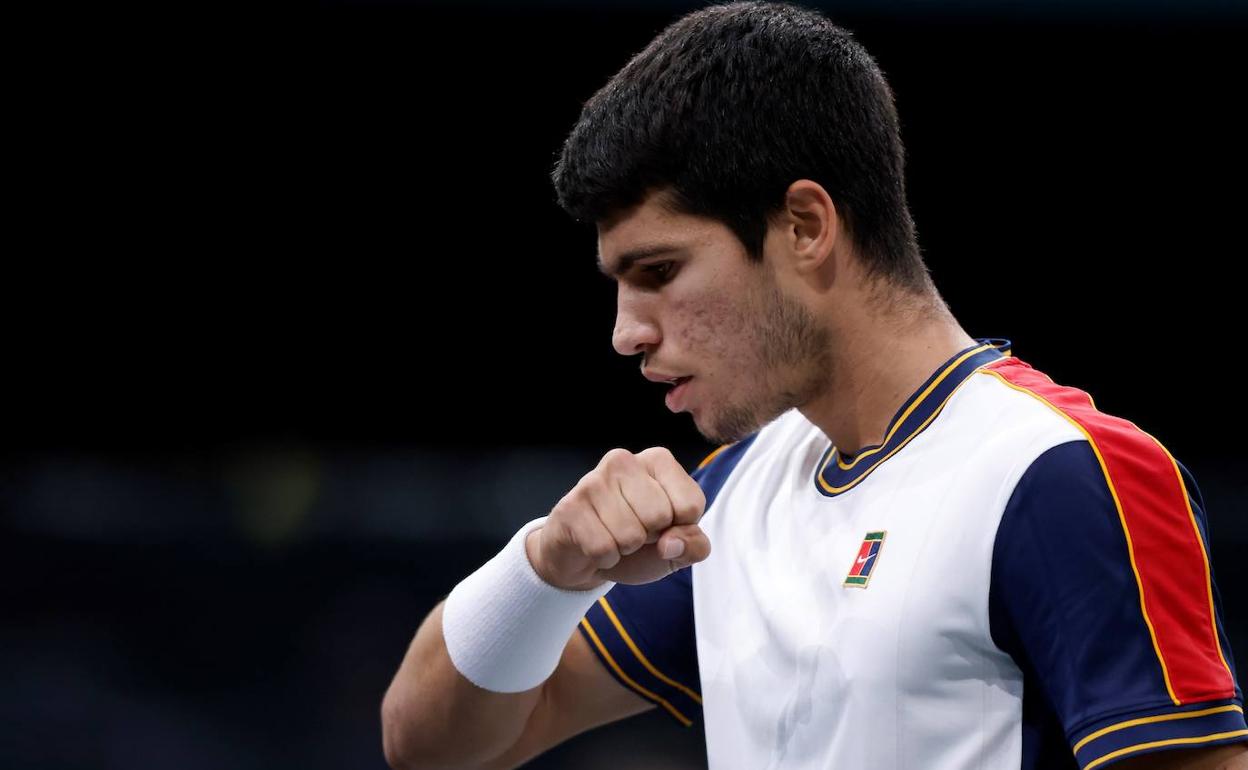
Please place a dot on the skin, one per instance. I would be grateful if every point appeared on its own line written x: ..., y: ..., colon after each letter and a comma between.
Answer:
x: 807, y: 328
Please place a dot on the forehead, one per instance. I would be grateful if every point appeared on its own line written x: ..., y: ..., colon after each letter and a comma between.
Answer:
x: 648, y: 229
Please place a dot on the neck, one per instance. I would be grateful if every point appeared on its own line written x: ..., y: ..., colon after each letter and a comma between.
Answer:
x: 881, y: 361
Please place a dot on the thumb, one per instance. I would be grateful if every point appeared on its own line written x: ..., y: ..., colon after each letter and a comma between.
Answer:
x: 684, y: 545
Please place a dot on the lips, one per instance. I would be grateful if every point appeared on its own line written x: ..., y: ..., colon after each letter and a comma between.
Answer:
x: 677, y: 397
x: 655, y: 375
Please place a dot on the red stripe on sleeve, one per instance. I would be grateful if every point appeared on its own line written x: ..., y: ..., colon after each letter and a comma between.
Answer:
x: 1168, y: 556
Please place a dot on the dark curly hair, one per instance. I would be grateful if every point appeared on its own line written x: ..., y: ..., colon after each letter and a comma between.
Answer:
x: 730, y: 105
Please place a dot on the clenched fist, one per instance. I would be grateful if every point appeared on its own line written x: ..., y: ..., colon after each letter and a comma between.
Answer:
x: 633, y: 519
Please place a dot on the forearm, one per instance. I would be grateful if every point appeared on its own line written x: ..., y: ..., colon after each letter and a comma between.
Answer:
x: 475, y: 675
x: 434, y: 717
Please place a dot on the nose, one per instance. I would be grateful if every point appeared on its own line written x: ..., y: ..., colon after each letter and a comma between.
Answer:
x: 635, y: 328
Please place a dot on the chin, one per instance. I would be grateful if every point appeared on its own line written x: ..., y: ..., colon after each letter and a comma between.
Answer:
x: 727, y: 431
x: 736, y: 422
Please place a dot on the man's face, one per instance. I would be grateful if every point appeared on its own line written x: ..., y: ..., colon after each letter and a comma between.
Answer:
x: 697, y: 308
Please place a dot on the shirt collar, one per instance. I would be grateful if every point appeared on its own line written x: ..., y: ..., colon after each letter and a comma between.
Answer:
x: 836, y: 475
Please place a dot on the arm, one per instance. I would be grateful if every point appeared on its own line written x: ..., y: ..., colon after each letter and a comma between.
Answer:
x: 484, y: 683
x: 1123, y: 637
x: 433, y: 717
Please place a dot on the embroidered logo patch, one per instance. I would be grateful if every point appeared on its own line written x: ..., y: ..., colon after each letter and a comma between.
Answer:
x: 864, y: 562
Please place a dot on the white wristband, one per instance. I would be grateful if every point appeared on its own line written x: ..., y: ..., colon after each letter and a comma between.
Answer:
x: 506, y: 628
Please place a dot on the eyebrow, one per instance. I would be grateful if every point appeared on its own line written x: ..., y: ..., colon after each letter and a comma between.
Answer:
x: 629, y: 258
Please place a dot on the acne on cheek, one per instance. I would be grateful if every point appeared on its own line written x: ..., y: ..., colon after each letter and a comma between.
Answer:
x: 707, y: 324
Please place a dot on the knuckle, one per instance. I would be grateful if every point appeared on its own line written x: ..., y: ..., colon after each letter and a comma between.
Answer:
x: 570, y: 506
x: 690, y: 500
x: 571, y: 499
x: 562, y: 510
x: 697, y: 497
x: 600, y: 549
x: 632, y: 540
x: 657, y: 517
x: 659, y: 462
x: 660, y: 453
x: 616, y: 459
x: 592, y: 484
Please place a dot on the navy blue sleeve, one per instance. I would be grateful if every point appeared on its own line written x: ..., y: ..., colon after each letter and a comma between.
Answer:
x: 1067, y: 603
x: 644, y: 634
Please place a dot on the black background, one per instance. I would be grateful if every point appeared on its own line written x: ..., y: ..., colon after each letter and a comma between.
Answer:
x: 329, y: 233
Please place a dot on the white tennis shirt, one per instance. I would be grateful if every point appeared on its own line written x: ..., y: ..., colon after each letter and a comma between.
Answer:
x: 1013, y: 579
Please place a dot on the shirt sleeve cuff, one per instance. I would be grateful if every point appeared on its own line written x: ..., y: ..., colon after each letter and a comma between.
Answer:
x: 626, y: 661
x: 1190, y: 726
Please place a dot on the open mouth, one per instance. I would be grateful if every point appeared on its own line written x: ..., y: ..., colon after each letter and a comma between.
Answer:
x: 676, y: 396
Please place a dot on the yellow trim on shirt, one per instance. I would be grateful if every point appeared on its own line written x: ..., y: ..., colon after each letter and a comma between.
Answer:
x: 602, y: 648
x: 1157, y: 744
x: 1204, y: 555
x: 1122, y: 519
x: 915, y: 405
x: 1151, y: 720
x: 615, y: 621
x: 712, y: 456
x: 837, y: 490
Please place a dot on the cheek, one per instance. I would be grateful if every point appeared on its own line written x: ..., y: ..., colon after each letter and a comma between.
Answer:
x: 713, y: 329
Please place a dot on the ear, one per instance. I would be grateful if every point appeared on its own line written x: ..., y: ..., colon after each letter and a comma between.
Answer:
x: 812, y: 224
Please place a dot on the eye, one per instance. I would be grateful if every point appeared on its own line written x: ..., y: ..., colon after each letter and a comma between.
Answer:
x: 659, y: 270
